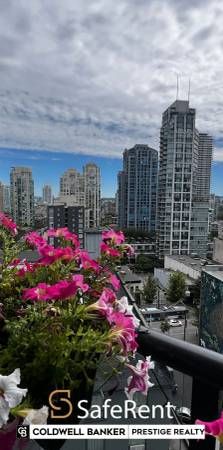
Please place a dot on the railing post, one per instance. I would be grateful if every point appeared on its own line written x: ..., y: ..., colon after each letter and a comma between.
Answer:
x: 204, y: 406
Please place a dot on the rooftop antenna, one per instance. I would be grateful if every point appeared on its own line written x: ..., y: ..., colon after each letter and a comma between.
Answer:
x: 189, y: 90
x: 177, y: 87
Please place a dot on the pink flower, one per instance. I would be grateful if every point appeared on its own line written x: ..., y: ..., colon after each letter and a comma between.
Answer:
x: 101, y: 307
x: 63, y: 289
x: 117, y: 237
x: 25, y: 267
x: 108, y: 296
x: 50, y: 254
x: 35, y: 240
x: 123, y: 331
x: 79, y: 280
x: 214, y: 428
x: 129, y: 249
x: 39, y: 293
x: 87, y: 263
x: 8, y: 223
x: 109, y: 251
x: 58, y: 291
x: 114, y: 282
x: 64, y: 233
x: 139, y: 381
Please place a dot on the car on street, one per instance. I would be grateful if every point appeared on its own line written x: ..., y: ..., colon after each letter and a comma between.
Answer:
x: 174, y: 323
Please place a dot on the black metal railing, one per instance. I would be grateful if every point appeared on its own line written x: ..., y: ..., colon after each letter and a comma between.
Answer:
x: 203, y: 365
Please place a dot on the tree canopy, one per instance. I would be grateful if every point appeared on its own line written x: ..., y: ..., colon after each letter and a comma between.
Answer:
x: 176, y: 287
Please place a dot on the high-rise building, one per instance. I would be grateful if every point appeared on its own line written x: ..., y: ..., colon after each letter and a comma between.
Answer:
x: 137, y: 189
x: 83, y: 189
x: 92, y: 191
x: 184, y: 183
x: 6, y: 199
x: 47, y: 194
x: 72, y: 185
x: 72, y: 217
x: 108, y: 211
x: 204, y: 167
x: 22, y: 195
x: 1, y: 196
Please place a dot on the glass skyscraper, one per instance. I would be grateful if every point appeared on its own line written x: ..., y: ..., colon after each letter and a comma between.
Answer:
x: 137, y: 189
x: 184, y: 183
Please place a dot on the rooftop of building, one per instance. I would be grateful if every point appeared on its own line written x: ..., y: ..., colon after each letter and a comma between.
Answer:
x: 194, y: 262
x: 127, y: 276
x: 215, y: 270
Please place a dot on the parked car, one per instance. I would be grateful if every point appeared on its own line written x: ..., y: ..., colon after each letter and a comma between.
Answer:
x: 174, y: 323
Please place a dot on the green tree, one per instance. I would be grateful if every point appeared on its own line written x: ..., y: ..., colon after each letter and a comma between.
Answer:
x: 196, y: 291
x: 176, y: 287
x: 146, y: 263
x: 164, y: 326
x: 149, y: 291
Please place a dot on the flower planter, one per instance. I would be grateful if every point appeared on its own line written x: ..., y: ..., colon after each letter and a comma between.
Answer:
x: 83, y: 392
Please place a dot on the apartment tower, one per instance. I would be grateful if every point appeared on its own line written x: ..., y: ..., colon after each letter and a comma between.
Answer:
x: 184, y: 183
x: 22, y: 195
x: 137, y: 189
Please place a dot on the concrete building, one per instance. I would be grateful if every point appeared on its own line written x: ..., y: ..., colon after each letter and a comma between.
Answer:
x: 211, y: 309
x: 72, y: 217
x: 78, y: 189
x: 92, y: 240
x: 6, y: 199
x: 47, y: 194
x: 72, y: 184
x: 137, y: 189
x: 108, y: 211
x: 218, y: 250
x: 204, y: 167
x: 184, y: 182
x: 191, y: 267
x: 92, y: 191
x: 22, y: 195
x: 121, y: 203
x: 1, y: 196
x: 146, y: 247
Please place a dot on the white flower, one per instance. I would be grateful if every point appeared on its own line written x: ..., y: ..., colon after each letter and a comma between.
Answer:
x: 124, y: 307
x: 37, y: 416
x: 10, y: 394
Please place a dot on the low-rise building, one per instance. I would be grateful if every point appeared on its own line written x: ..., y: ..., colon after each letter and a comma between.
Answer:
x: 218, y: 250
x: 190, y: 266
x: 72, y: 217
x: 211, y: 309
x: 146, y: 248
x: 92, y: 240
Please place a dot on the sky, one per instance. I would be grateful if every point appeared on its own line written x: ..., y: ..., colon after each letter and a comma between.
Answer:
x: 81, y: 81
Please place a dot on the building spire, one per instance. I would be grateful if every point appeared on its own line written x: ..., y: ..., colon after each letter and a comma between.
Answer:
x: 189, y: 91
x: 177, y: 93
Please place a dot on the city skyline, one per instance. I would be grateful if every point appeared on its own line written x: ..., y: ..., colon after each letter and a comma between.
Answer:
x: 60, y: 162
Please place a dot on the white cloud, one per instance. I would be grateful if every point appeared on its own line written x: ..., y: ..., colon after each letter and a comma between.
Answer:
x: 94, y: 76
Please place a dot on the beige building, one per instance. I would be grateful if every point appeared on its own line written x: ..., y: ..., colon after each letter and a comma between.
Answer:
x: 92, y: 187
x: 218, y: 250
x: 72, y: 185
x: 78, y: 189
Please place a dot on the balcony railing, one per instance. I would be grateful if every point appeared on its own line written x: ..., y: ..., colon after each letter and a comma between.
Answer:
x: 204, y: 366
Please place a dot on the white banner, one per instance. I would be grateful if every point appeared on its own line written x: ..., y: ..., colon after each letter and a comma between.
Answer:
x: 112, y: 432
